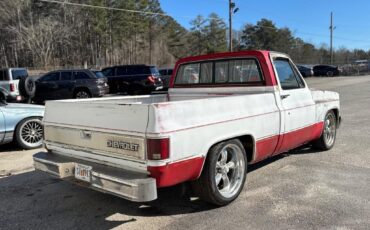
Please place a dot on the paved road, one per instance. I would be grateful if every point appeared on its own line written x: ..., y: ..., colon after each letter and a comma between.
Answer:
x: 303, y: 189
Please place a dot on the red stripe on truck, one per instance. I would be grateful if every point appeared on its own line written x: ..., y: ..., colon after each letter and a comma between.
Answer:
x: 299, y: 137
x: 265, y: 147
x: 181, y: 171
x: 175, y: 173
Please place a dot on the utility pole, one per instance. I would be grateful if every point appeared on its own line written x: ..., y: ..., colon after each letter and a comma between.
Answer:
x: 332, y: 28
x: 232, y: 10
x: 230, y: 28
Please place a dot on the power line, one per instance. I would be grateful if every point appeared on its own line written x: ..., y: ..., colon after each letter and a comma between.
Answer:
x: 332, y: 28
x: 167, y: 15
x: 106, y: 8
x: 117, y: 9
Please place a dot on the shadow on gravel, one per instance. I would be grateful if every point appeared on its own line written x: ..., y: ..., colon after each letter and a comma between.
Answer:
x: 298, y: 151
x: 34, y: 200
x: 40, y: 201
x: 12, y: 147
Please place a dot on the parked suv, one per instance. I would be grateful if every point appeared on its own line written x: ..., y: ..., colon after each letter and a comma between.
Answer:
x: 166, y: 76
x: 326, y: 70
x: 133, y: 79
x: 9, y: 83
x: 306, y: 71
x: 65, y: 84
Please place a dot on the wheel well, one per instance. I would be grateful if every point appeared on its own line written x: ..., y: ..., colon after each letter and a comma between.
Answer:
x: 248, y: 144
x: 336, y: 113
x: 19, y: 122
x: 2, y: 96
x: 81, y: 88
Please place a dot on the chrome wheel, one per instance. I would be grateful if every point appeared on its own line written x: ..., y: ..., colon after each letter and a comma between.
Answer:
x: 330, y: 129
x: 31, y: 133
x: 82, y: 94
x: 230, y: 170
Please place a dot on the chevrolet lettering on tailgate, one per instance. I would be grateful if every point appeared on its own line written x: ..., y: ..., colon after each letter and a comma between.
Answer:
x: 122, y: 145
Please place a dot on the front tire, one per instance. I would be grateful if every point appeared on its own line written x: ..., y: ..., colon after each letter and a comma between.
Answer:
x: 224, y: 173
x: 330, y: 74
x: 134, y: 90
x: 29, y: 133
x: 328, y: 136
x: 82, y: 94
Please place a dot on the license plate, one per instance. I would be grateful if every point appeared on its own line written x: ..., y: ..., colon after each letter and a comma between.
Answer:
x: 83, y: 172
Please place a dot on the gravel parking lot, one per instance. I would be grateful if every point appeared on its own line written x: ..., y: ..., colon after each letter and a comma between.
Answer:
x: 302, y: 189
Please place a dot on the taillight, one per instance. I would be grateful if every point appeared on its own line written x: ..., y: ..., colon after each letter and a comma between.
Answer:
x: 12, y: 87
x: 151, y: 79
x: 158, y: 149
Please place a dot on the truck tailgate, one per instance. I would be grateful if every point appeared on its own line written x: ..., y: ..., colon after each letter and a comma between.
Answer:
x: 130, y: 118
x: 97, y: 130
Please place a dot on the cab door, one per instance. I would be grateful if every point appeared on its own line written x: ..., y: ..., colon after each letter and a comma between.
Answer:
x: 47, y: 87
x: 298, y: 107
x: 66, y: 85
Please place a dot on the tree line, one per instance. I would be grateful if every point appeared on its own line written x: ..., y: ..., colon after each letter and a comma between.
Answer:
x: 41, y: 35
x: 265, y: 35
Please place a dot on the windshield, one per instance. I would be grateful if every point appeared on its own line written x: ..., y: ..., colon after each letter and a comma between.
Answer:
x: 99, y: 74
x: 154, y: 71
x: 19, y: 73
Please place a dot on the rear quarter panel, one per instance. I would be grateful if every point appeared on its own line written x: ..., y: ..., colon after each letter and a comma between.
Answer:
x: 325, y: 101
x: 13, y: 114
x: 195, y: 125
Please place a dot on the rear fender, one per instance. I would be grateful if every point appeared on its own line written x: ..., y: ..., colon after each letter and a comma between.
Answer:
x: 251, y: 155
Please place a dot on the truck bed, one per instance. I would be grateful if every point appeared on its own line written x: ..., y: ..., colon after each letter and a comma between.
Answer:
x: 88, y: 124
x: 155, y: 114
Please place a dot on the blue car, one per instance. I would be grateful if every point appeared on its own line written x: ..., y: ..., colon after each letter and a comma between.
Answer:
x: 21, y: 123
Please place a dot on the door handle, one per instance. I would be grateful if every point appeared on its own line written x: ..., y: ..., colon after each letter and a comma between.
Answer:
x: 284, y: 96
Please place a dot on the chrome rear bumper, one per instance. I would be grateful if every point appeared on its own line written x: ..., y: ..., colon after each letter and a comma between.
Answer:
x: 126, y: 184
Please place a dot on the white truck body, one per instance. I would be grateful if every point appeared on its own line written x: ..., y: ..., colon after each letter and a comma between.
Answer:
x: 193, y: 119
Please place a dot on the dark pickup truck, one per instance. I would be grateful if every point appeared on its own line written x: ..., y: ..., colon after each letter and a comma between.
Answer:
x: 133, y: 79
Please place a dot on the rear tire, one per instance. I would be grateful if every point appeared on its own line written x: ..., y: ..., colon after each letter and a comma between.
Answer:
x: 328, y: 136
x: 224, y: 173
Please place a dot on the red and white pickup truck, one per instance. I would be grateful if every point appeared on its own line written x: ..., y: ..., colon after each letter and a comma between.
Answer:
x: 222, y: 112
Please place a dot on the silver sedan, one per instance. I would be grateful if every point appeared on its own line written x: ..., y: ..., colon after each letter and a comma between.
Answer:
x: 21, y: 123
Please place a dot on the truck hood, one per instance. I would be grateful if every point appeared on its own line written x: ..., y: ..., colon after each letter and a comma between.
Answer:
x: 25, y: 106
x: 31, y: 110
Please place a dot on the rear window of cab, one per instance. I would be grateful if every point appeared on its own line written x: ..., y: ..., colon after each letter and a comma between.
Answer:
x: 231, y: 71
